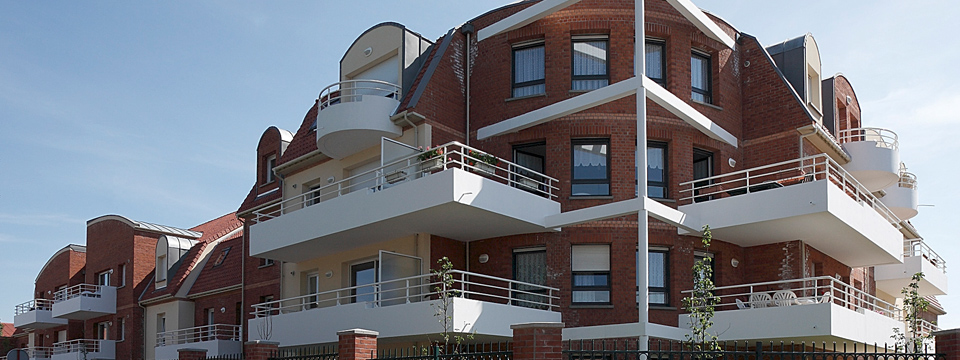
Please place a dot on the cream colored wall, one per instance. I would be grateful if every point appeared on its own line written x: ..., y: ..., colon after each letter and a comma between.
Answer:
x: 384, y: 42
x: 179, y: 315
x: 812, y: 54
x: 339, y: 264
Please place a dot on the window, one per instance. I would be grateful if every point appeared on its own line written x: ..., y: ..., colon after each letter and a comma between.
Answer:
x: 360, y: 275
x: 271, y: 163
x: 161, y: 268
x: 265, y: 262
x: 121, y: 329
x: 591, y: 175
x: 591, y: 70
x: 656, y: 66
x: 61, y: 336
x: 313, y: 287
x: 222, y: 256
x: 658, y: 276
x: 532, y: 157
x: 103, y: 278
x: 528, y: 69
x: 591, y: 274
x: 123, y: 275
x: 656, y: 170
x: 702, y: 169
x: 161, y: 328
x: 700, y: 77
x: 103, y: 329
x: 530, y: 266
x: 700, y: 255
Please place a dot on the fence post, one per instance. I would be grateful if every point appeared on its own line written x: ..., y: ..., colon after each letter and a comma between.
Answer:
x: 948, y: 343
x: 537, y: 341
x: 357, y: 344
x: 260, y: 349
x: 191, y: 354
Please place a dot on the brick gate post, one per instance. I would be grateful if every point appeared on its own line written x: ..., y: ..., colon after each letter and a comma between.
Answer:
x: 191, y: 354
x: 260, y: 349
x: 357, y: 344
x: 537, y: 341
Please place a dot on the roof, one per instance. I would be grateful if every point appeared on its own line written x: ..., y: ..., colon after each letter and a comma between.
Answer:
x: 150, y: 227
x: 220, y: 273
x: 935, y: 306
x: 71, y: 247
x: 8, y: 330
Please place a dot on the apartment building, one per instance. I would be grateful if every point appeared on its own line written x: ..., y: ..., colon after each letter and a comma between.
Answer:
x: 509, y: 147
x: 140, y: 290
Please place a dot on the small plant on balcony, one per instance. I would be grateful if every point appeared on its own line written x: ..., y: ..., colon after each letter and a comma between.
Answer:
x: 429, y: 153
x: 446, y: 292
x: 474, y: 156
x: 701, y: 303
x: 914, y: 305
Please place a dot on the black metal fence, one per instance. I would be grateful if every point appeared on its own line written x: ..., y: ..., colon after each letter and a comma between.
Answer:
x: 226, y: 357
x: 307, y: 353
x: 629, y: 350
x: 486, y: 351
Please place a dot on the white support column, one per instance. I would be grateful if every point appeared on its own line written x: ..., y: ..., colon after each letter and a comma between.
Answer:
x: 639, y: 68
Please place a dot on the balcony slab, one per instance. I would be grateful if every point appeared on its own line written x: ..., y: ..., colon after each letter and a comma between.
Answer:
x: 892, y: 278
x: 38, y: 319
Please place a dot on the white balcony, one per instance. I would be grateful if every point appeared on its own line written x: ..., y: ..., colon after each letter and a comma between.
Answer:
x: 218, y: 339
x: 85, y: 349
x: 455, y: 195
x: 875, y: 156
x: 810, y: 199
x: 903, y: 198
x: 917, y: 257
x: 407, y: 308
x: 36, y: 314
x: 809, y: 309
x: 85, y: 301
x: 353, y: 115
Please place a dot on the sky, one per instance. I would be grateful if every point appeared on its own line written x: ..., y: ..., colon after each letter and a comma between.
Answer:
x: 153, y: 110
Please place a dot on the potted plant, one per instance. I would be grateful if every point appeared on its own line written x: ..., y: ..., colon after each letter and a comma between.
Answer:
x: 482, y: 162
x: 431, y: 159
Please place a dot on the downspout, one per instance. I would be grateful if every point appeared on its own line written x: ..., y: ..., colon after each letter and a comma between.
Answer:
x: 467, y: 29
x: 816, y: 130
x: 416, y: 131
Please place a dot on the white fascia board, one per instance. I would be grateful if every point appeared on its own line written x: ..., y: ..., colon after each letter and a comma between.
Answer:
x: 523, y: 17
x: 701, y: 21
x: 556, y: 110
x: 686, y: 112
x: 621, y: 208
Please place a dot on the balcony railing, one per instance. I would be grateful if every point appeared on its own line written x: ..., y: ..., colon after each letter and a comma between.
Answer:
x: 77, y: 346
x: 799, y: 292
x: 907, y: 180
x: 883, y: 137
x: 421, y: 288
x: 448, y: 156
x: 85, y: 290
x: 35, y: 353
x: 354, y: 90
x: 200, y: 333
x: 33, y: 305
x: 791, y: 172
x: 919, y: 248
x: 927, y: 328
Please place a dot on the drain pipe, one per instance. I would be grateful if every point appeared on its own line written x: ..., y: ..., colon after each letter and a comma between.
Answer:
x: 416, y: 131
x: 467, y: 29
x: 816, y: 130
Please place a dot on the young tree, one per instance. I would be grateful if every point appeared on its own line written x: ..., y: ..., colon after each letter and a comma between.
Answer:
x: 446, y: 292
x: 701, y: 302
x: 913, y: 306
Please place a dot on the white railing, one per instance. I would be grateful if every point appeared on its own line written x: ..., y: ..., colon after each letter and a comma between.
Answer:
x: 36, y: 304
x: 447, y: 156
x: 927, y: 328
x: 799, y: 292
x: 421, y: 288
x: 77, y: 346
x: 917, y: 247
x: 883, y: 137
x: 354, y: 90
x: 85, y: 290
x: 907, y: 180
x: 39, y: 352
x: 791, y: 172
x: 199, y: 333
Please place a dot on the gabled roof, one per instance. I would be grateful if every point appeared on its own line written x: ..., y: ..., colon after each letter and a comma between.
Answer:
x: 220, y: 273
x: 8, y: 330
x: 149, y: 227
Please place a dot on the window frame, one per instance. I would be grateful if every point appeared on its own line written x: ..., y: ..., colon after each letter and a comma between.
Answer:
x: 606, y: 72
x: 161, y: 268
x: 270, y: 164
x: 697, y: 255
x: 665, y: 289
x: 103, y: 277
x: 513, y: 297
x: 608, y: 288
x: 663, y: 60
x: 514, y: 85
x: 519, y: 174
x: 123, y: 275
x: 708, y: 92
x: 575, y: 181
x: 666, y: 170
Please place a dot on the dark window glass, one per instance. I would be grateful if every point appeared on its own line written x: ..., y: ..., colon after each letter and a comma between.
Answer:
x: 656, y: 170
x: 656, y: 62
x: 700, y: 256
x: 364, y: 274
x: 591, y: 174
x: 590, y: 66
x: 530, y: 266
x: 528, y: 70
x: 531, y: 159
x: 700, y: 77
x: 702, y: 169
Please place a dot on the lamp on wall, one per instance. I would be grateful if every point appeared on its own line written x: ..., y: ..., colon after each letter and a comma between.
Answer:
x: 484, y: 258
x: 328, y: 274
x: 734, y: 262
x: 732, y: 162
x: 223, y: 310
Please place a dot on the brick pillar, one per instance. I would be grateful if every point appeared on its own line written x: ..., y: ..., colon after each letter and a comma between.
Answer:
x: 537, y: 341
x: 260, y: 349
x: 948, y: 342
x: 191, y: 354
x: 357, y: 344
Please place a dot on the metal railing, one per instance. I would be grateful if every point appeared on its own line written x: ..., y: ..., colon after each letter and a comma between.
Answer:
x: 421, y: 288
x: 85, y: 290
x: 447, y: 156
x: 927, y: 328
x: 200, y: 333
x: 77, y: 346
x: 786, y: 173
x: 355, y: 90
x: 917, y: 247
x: 883, y: 137
x: 475, y: 351
x: 36, y: 304
x: 800, y: 292
x: 907, y: 180
x: 629, y: 349
x: 35, y: 352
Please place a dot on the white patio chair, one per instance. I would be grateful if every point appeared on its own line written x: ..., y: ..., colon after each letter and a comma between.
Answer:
x: 785, y: 298
x: 759, y: 300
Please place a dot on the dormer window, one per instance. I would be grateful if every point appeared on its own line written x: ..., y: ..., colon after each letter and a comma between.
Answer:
x: 271, y: 163
x: 162, y: 268
x: 169, y: 251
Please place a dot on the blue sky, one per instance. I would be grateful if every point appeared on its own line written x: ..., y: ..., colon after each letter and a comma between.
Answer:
x: 153, y: 110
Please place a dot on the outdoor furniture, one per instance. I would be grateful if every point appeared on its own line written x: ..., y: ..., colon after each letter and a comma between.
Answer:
x: 785, y: 298
x: 741, y: 305
x: 759, y: 300
x: 767, y: 185
x: 827, y: 296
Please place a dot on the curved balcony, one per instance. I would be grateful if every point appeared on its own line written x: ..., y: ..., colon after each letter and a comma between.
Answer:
x: 903, y: 199
x: 875, y: 156
x: 36, y: 314
x: 353, y: 115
